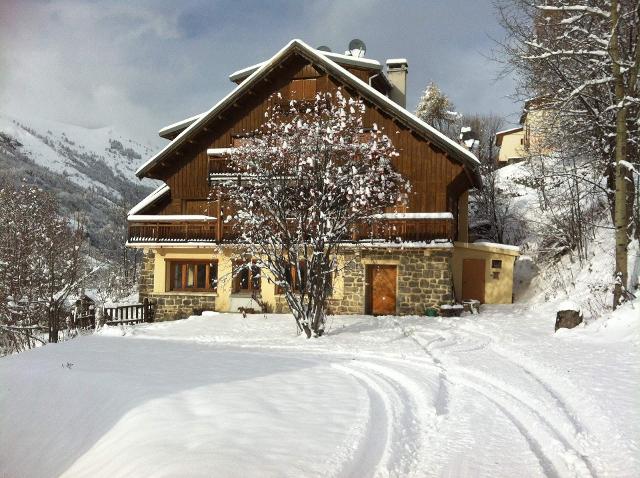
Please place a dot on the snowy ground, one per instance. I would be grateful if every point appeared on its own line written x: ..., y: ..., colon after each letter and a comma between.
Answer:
x: 492, y: 395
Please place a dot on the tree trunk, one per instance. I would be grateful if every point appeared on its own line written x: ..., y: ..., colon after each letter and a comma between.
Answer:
x: 621, y: 219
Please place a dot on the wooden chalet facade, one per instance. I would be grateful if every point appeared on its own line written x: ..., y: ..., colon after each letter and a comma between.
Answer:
x: 188, y: 241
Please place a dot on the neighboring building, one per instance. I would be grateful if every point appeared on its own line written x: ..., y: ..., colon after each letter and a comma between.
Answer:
x: 511, y: 144
x: 517, y: 143
x: 189, y: 244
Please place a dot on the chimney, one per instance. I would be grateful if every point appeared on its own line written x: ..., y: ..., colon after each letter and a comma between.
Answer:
x: 397, y: 69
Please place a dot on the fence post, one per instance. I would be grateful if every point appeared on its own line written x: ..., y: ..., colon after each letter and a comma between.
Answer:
x: 145, y: 310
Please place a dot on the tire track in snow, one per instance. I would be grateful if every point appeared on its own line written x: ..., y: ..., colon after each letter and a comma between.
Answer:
x: 373, y: 449
x: 409, y: 419
x: 562, y: 405
x: 511, y: 410
x: 519, y: 411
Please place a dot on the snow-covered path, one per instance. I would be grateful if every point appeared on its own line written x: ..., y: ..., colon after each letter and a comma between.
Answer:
x: 494, y: 395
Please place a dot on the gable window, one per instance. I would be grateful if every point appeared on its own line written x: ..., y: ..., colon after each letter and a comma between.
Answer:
x: 303, y: 89
x: 496, y: 264
x: 193, y: 276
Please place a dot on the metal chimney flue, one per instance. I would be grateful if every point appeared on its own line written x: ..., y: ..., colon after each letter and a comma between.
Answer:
x: 397, y: 70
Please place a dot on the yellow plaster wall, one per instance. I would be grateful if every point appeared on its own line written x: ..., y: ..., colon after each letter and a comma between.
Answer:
x: 225, y: 275
x: 535, y: 126
x: 497, y: 291
x: 161, y: 277
x: 512, y: 146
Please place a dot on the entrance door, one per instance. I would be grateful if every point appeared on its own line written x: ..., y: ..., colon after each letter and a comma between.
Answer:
x: 381, y: 285
x: 473, y: 275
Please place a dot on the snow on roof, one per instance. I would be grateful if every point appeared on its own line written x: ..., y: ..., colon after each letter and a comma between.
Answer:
x: 487, y: 245
x: 151, y: 198
x: 347, y: 59
x: 245, y: 71
x: 510, y: 130
x: 414, y: 215
x: 169, y: 217
x: 178, y: 125
x: 394, y: 61
x: 324, y: 60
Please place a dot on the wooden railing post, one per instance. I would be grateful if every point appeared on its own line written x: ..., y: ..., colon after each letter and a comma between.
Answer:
x: 219, y: 223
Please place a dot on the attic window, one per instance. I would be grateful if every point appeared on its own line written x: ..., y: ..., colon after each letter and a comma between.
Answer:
x: 496, y: 264
x: 303, y: 89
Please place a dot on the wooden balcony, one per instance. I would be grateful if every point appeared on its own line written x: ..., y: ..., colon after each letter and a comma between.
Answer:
x: 213, y: 231
x: 406, y: 230
x: 179, y: 232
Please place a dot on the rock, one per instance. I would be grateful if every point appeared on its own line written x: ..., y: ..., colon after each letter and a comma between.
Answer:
x: 568, y: 319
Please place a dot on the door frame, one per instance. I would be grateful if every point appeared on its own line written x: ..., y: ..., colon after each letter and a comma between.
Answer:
x: 484, y: 277
x: 368, y: 284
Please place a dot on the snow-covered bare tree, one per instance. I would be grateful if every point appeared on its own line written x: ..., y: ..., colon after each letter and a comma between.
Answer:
x: 491, y: 207
x: 306, y: 180
x: 437, y: 110
x: 579, y: 59
x: 40, y: 264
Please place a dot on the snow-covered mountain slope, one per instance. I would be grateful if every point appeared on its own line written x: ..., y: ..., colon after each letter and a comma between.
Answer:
x: 91, y: 171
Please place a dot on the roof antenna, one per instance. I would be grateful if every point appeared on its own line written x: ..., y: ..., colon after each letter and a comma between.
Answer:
x: 357, y: 48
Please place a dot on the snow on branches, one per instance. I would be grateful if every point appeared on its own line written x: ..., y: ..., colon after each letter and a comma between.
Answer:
x: 580, y: 60
x: 305, y: 180
x: 40, y: 258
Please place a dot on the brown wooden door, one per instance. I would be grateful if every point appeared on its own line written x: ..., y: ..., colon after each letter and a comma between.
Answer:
x: 473, y: 278
x: 381, y: 284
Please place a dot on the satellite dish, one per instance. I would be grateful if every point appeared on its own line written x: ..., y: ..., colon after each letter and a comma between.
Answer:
x: 324, y: 48
x: 357, y: 48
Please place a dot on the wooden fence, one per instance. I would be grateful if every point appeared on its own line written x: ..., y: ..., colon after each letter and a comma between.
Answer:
x: 130, y: 314
x: 123, y: 314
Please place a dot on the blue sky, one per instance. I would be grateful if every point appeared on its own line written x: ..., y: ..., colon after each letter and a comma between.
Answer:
x: 141, y: 65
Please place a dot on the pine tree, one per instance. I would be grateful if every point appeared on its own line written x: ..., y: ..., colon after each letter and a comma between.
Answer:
x: 437, y: 110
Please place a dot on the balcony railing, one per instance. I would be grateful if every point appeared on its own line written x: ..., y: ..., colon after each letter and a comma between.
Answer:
x: 402, y: 230
x: 151, y: 231
x: 213, y: 231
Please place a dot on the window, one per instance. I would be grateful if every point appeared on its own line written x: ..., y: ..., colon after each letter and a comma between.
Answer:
x: 496, y: 264
x: 303, y: 89
x: 192, y: 276
x: 246, y: 278
x: 298, y: 281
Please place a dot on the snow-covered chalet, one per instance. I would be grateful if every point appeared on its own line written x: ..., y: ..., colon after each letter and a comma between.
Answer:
x: 188, y: 246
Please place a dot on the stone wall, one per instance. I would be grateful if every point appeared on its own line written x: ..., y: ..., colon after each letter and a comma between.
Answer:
x: 424, y: 279
x: 145, y: 279
x: 170, y: 305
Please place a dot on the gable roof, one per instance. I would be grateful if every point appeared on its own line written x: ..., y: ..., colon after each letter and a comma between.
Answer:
x: 456, y: 151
